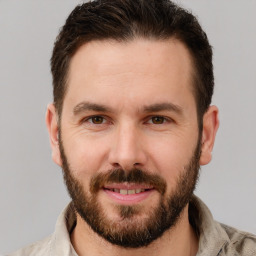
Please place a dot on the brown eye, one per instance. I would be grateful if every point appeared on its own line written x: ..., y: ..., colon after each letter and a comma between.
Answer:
x: 158, y: 120
x: 97, y: 120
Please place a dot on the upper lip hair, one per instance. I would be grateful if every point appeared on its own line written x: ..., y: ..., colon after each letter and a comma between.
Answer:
x: 127, y: 186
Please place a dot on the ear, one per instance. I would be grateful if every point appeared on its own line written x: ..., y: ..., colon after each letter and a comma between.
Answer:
x: 210, y: 127
x: 53, y: 130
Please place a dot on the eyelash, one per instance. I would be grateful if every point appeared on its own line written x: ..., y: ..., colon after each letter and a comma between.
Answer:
x: 91, y: 118
x: 163, y: 118
x: 149, y: 120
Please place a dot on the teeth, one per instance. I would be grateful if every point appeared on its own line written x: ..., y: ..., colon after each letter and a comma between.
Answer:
x: 139, y: 190
x: 131, y: 191
x: 128, y: 191
x: 123, y: 191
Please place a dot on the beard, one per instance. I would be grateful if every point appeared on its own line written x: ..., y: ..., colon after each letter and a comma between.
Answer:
x: 132, y: 231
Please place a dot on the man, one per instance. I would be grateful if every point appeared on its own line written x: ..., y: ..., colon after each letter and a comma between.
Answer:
x: 130, y: 125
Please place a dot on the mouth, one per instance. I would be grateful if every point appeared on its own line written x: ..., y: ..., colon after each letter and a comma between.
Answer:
x: 128, y: 193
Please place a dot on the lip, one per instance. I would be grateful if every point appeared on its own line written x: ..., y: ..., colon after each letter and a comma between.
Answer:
x: 127, y: 186
x: 128, y: 199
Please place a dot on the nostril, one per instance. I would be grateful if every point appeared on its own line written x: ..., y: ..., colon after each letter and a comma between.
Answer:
x: 116, y: 165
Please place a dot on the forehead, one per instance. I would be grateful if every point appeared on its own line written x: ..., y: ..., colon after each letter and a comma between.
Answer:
x: 139, y: 67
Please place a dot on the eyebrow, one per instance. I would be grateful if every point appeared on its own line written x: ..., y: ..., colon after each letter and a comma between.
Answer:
x: 88, y: 106
x: 163, y: 107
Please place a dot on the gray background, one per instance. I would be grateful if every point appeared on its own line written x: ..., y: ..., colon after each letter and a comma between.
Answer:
x: 32, y: 193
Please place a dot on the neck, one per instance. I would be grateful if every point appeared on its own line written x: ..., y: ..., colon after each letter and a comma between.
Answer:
x: 180, y: 240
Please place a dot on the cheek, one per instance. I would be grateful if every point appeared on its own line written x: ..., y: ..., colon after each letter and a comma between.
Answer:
x: 169, y: 157
x: 85, y: 155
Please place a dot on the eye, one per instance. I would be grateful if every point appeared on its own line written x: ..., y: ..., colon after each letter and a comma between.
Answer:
x: 158, y: 119
x: 96, y: 120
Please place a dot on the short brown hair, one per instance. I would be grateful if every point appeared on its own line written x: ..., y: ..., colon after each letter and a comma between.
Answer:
x: 125, y: 20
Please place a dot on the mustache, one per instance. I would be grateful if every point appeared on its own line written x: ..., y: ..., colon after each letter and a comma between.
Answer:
x: 132, y: 176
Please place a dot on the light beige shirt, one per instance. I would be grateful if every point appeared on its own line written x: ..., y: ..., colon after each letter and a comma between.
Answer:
x: 215, y: 239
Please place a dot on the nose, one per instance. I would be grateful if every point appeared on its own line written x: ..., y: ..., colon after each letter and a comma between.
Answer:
x: 127, y: 151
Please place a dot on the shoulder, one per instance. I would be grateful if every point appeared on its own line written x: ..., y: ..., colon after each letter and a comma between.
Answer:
x: 40, y: 248
x: 241, y: 243
x: 56, y: 244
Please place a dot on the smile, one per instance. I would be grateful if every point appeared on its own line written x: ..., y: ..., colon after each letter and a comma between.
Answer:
x: 128, y: 194
x: 128, y: 191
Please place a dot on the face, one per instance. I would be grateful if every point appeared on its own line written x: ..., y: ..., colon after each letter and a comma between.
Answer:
x: 128, y: 137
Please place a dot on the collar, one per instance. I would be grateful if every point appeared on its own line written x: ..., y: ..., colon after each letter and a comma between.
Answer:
x: 212, y: 237
x: 60, y: 243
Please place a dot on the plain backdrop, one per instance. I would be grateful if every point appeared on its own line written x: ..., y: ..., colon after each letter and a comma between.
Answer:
x: 32, y: 193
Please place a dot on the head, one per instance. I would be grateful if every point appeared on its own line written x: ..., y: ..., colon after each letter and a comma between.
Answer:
x: 124, y: 21
x: 131, y: 121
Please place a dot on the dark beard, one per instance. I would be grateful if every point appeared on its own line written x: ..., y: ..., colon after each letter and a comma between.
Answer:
x: 131, y: 232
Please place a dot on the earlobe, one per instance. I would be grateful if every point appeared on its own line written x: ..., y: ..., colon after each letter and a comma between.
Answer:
x: 53, y: 130
x: 210, y: 127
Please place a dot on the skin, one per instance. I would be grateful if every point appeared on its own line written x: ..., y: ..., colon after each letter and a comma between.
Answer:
x: 128, y: 79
